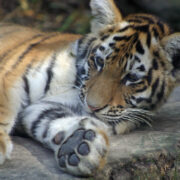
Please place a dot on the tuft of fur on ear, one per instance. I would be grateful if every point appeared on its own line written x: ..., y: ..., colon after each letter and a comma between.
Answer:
x: 105, y: 12
x: 171, y: 45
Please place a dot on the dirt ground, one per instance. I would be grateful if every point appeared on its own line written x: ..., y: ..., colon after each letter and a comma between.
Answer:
x: 59, y: 15
x: 74, y: 15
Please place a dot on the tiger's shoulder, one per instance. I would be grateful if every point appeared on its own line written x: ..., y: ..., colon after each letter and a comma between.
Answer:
x: 16, y: 37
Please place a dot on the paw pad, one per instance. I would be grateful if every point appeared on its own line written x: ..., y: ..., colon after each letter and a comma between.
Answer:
x: 75, y: 143
x: 73, y: 160
x: 83, y: 149
x: 58, y: 138
x: 89, y: 135
x: 62, y: 162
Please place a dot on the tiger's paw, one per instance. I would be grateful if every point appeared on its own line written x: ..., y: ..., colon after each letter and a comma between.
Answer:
x: 6, y: 147
x: 84, y: 152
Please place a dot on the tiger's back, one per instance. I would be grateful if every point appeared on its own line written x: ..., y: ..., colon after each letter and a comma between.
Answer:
x: 23, y: 49
x: 19, y: 45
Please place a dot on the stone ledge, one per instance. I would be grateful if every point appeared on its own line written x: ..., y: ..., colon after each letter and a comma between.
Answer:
x: 149, y: 153
x: 146, y: 153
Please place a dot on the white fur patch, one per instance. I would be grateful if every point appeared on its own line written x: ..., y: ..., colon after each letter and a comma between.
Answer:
x: 123, y: 24
x: 104, y: 14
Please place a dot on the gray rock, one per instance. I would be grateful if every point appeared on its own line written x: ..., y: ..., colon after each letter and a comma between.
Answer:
x: 149, y: 152
x: 146, y: 153
x: 31, y: 161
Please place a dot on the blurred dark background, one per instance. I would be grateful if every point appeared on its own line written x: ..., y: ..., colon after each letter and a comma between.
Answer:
x: 74, y: 15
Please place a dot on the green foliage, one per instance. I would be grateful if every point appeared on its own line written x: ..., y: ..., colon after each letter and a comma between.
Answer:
x: 75, y: 23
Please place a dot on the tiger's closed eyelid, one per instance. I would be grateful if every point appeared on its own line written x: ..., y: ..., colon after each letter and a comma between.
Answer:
x: 99, y: 61
x: 131, y: 78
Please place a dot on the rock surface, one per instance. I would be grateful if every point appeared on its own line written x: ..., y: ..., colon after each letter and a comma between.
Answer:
x: 146, y: 153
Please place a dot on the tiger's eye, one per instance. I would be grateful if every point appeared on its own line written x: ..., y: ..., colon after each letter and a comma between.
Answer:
x: 132, y: 77
x: 101, y: 48
x: 99, y: 61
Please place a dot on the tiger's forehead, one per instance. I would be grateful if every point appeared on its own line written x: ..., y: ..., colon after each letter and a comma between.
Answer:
x: 133, y: 36
x: 138, y: 23
x: 131, y: 40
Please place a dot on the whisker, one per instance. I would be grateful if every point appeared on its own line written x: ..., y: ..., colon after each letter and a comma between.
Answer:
x: 133, y: 115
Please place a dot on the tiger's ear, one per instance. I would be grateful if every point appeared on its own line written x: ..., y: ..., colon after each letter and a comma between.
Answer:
x: 171, y: 45
x: 105, y: 12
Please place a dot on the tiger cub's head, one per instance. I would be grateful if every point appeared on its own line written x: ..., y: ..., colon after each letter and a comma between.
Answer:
x: 126, y: 63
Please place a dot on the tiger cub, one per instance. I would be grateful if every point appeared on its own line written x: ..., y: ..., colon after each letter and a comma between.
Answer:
x: 71, y: 92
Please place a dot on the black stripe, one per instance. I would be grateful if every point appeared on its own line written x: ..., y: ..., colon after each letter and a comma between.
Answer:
x: 27, y: 89
x: 127, y: 55
x: 50, y: 73
x: 85, y: 49
x: 49, y: 115
x: 101, y: 48
x: 136, y: 36
x: 127, y: 100
x: 80, y: 41
x: 154, y: 87
x: 35, y: 125
x: 14, y: 49
x: 121, y: 38
x: 156, y: 53
x: 104, y: 37
x: 94, y: 49
x: 152, y: 106
x: 136, y: 84
x: 160, y: 24
x: 117, y: 50
x: 134, y: 20
x: 30, y: 47
x: 142, y: 89
x: 148, y: 41
x: 162, y: 63
x: 176, y: 59
x: 136, y: 58
x: 156, y: 34
x: 125, y: 65
x: 155, y: 64
x: 111, y: 30
x: 149, y: 76
x: 143, y: 28
x: 112, y: 45
x: 141, y: 99
x: 149, y: 19
x: 141, y: 68
x: 139, y: 47
x: 113, y: 127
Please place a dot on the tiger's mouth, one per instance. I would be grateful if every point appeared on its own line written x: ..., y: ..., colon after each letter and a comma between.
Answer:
x: 136, y: 116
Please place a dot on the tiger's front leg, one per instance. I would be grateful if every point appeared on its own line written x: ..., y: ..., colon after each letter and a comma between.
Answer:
x: 6, y: 123
x: 6, y: 146
x: 80, y: 143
